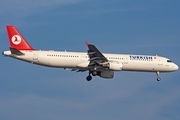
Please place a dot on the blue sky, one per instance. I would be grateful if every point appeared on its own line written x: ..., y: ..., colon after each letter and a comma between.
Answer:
x: 118, y: 26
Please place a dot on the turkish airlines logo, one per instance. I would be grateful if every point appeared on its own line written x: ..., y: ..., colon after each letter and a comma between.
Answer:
x: 16, y: 39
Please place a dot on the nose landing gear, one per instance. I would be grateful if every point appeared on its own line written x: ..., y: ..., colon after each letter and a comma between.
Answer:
x: 158, y: 78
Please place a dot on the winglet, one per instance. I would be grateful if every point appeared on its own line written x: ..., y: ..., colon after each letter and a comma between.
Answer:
x: 87, y: 43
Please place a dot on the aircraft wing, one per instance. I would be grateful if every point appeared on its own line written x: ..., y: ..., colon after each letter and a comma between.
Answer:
x: 95, y: 56
x: 78, y: 70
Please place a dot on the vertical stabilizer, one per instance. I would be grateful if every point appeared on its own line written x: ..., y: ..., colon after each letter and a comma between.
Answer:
x: 16, y: 39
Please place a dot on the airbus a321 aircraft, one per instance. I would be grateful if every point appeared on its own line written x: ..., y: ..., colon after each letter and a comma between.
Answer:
x: 93, y: 61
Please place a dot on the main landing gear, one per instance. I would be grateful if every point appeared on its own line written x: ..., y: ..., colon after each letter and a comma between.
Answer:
x: 93, y: 73
x: 89, y: 77
x: 158, y: 78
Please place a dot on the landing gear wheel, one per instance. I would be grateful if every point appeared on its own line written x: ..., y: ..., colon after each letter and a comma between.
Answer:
x: 88, y: 78
x: 158, y: 79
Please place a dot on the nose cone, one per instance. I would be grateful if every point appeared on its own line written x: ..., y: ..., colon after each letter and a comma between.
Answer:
x: 176, y: 67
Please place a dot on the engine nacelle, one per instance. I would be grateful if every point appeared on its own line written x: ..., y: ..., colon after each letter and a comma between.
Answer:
x: 107, y: 74
x: 116, y: 66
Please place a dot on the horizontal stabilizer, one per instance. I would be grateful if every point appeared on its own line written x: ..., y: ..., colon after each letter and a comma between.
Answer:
x: 16, y: 51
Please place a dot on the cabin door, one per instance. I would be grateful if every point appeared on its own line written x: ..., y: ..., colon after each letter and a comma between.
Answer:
x: 35, y: 55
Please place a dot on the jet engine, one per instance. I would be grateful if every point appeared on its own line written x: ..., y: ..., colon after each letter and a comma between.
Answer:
x: 116, y: 66
x: 106, y: 74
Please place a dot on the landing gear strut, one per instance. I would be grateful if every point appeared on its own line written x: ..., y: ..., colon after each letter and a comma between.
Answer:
x: 158, y: 78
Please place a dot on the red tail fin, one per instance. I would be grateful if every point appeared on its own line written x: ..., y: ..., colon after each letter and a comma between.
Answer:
x: 16, y: 39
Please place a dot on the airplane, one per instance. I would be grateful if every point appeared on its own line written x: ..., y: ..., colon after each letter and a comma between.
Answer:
x: 95, y: 62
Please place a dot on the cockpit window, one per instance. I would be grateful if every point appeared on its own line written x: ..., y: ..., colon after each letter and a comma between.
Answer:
x: 169, y: 61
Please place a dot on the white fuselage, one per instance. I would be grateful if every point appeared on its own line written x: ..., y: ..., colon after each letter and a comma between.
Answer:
x: 75, y: 60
